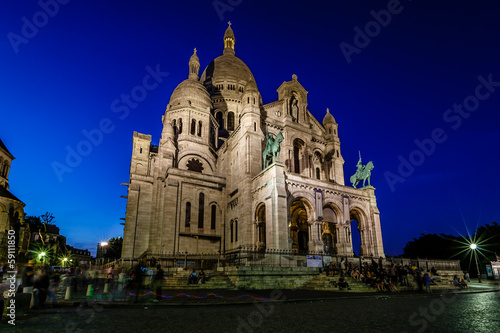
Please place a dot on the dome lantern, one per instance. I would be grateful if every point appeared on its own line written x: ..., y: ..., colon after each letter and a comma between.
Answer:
x: 229, y: 40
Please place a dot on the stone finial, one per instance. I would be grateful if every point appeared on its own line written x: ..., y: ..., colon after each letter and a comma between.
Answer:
x: 294, y: 77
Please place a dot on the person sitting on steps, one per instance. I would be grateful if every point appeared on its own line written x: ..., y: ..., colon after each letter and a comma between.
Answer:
x: 343, y: 284
x: 193, y: 277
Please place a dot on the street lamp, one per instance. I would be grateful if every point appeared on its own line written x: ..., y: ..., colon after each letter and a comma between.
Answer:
x: 473, y: 248
x: 40, y: 256
x: 103, y: 251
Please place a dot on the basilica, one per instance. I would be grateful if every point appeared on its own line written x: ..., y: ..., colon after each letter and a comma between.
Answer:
x: 231, y: 172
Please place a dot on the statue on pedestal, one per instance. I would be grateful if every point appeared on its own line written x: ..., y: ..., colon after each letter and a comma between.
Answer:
x: 272, y: 151
x: 363, y: 172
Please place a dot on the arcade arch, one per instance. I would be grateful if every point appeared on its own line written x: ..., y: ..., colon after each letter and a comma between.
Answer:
x: 260, y: 218
x: 358, y: 233
x: 300, y: 210
x: 329, y: 228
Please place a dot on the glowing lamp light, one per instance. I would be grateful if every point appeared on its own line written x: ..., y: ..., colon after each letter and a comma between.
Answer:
x: 473, y: 246
x: 41, y: 254
x: 104, y: 243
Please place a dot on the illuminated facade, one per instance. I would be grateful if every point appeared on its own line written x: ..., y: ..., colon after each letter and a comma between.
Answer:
x: 203, y: 189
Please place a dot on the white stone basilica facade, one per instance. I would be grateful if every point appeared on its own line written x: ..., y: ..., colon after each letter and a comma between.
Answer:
x: 204, y: 189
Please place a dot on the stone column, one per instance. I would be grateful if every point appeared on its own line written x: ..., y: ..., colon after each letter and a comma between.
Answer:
x: 377, y: 244
x: 315, y: 242
x: 276, y: 207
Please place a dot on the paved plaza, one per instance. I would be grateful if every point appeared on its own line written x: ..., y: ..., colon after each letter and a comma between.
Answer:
x: 475, y: 310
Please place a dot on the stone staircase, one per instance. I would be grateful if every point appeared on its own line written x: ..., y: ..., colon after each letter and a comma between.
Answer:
x: 216, y: 280
x: 446, y: 283
x: 324, y: 282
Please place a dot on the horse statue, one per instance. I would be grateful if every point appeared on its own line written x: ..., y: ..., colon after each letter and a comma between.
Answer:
x: 363, y: 173
x: 272, y: 151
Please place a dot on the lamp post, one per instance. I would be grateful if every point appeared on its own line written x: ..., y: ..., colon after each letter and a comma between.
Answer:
x: 473, y: 248
x: 103, y: 251
x: 40, y: 256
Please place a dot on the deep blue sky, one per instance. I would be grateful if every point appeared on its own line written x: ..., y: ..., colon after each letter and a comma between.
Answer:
x: 63, y: 79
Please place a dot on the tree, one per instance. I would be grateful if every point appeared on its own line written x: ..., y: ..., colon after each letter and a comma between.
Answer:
x: 433, y: 246
x: 488, y: 240
x: 52, y: 246
x: 114, y: 250
x: 34, y: 222
x: 47, y: 218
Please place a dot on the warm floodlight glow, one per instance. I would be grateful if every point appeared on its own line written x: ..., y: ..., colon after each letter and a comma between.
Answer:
x: 104, y: 243
x: 473, y: 246
x: 41, y: 254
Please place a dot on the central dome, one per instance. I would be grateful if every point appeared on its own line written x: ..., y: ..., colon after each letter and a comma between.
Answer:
x: 226, y: 67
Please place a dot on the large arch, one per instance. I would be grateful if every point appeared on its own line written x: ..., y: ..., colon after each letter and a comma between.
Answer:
x: 359, y: 234
x: 301, y: 211
x: 331, y: 216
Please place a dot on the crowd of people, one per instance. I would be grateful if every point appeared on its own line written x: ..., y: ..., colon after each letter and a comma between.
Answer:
x: 47, y: 283
x: 385, y: 278
x: 44, y: 282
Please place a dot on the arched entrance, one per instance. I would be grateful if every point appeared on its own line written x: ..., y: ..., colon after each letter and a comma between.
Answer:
x: 356, y: 223
x: 328, y: 229
x: 261, y: 227
x: 299, y: 228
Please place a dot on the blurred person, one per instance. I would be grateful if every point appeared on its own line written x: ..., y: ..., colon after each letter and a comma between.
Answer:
x: 28, y: 275
x: 41, y: 285
x: 158, y: 283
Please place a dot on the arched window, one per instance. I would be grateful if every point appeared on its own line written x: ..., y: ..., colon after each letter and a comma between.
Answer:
x: 235, y: 230
x: 193, y: 126
x: 317, y: 174
x: 199, y: 128
x: 188, y: 214
x: 212, y: 134
x: 180, y: 125
x: 219, y: 119
x: 201, y: 210
x: 230, y: 121
x: 213, y: 217
x: 298, y: 145
x: 296, y: 161
x: 232, y: 231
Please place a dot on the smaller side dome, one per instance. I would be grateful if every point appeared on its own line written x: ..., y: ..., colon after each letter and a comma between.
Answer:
x: 191, y: 92
x: 328, y: 119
